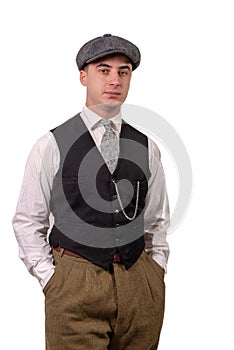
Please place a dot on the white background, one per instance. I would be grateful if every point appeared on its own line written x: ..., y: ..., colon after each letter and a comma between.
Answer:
x: 187, y: 77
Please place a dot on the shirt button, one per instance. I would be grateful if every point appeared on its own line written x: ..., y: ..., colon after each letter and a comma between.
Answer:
x: 117, y: 240
x: 117, y: 225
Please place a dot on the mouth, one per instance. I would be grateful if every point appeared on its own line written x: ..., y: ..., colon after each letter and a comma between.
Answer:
x: 112, y: 93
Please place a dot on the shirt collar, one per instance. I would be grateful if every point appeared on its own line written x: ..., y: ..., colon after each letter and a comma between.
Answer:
x: 91, y: 119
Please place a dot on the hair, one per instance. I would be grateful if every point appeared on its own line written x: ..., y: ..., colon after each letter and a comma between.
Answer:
x: 85, y: 68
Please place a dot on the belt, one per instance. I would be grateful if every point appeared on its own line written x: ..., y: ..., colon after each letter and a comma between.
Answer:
x: 116, y: 257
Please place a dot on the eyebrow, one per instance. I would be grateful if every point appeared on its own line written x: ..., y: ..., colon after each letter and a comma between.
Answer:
x: 109, y: 66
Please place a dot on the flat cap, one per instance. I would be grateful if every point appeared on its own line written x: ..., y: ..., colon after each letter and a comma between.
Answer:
x: 107, y: 45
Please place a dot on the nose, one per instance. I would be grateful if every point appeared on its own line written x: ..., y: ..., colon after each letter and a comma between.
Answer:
x: 114, y: 78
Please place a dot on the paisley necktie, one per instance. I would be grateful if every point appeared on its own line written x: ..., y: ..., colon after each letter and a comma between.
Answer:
x: 109, y: 145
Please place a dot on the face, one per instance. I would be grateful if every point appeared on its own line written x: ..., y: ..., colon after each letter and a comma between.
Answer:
x: 107, y: 81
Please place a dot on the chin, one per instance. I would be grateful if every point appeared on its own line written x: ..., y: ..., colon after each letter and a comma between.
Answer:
x: 111, y: 105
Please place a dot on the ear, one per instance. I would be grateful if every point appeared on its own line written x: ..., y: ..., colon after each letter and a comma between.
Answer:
x: 83, y: 77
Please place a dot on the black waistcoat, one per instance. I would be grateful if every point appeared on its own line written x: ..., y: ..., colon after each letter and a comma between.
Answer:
x: 84, y: 202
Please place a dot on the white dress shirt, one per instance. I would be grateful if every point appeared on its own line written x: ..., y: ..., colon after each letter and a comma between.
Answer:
x: 32, y: 220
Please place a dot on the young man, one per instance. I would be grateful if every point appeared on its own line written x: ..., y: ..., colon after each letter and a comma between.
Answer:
x: 102, y: 270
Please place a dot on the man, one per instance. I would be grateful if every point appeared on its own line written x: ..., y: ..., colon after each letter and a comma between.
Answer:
x: 102, y: 270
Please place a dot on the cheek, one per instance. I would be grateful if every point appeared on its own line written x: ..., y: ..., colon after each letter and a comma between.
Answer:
x: 126, y: 86
x: 94, y: 92
x: 95, y: 85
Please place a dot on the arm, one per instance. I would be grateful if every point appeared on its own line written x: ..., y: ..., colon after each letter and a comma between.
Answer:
x: 31, y: 220
x: 157, y: 215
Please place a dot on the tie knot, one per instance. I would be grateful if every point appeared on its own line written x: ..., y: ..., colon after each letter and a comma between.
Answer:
x: 106, y: 123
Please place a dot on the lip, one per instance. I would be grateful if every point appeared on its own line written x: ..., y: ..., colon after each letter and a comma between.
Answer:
x: 112, y: 93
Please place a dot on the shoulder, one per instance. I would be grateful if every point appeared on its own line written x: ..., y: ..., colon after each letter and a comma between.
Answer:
x: 68, y: 123
x: 132, y: 133
x: 44, y: 141
x: 44, y: 146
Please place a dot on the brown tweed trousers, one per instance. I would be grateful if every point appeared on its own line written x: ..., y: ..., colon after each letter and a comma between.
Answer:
x: 89, y: 308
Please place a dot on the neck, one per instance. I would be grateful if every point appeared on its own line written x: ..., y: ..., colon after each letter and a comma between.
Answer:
x: 106, y: 111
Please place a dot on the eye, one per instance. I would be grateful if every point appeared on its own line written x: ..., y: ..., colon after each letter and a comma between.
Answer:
x: 123, y: 72
x: 103, y: 71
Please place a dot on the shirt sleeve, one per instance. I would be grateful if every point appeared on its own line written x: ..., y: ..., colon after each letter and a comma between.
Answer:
x: 32, y: 217
x: 157, y: 213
